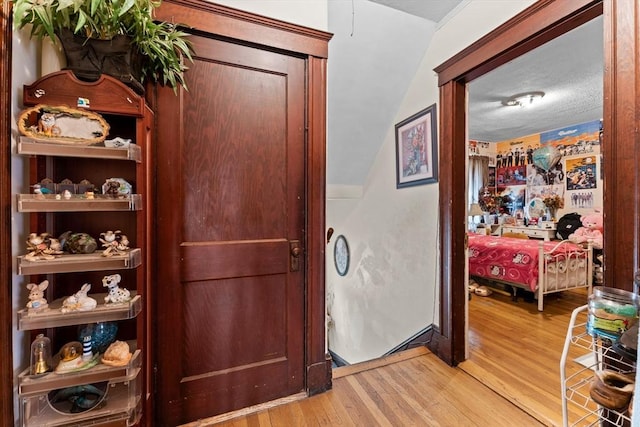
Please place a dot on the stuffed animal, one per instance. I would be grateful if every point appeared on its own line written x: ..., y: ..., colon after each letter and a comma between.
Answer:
x: 591, y: 230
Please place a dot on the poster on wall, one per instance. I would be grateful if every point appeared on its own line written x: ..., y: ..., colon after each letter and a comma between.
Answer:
x: 514, y: 199
x: 536, y: 196
x: 581, y: 173
x: 492, y: 178
x: 581, y: 199
x: 574, y: 140
x: 514, y: 175
x: 516, y: 152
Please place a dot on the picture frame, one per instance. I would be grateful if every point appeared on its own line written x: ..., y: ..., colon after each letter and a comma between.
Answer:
x: 416, y: 149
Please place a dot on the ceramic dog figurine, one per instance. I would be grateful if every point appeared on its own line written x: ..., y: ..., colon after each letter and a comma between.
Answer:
x: 116, y: 294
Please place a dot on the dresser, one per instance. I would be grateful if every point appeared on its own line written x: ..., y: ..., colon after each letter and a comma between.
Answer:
x: 533, y: 232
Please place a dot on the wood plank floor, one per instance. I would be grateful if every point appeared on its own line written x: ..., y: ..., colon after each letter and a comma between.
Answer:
x: 515, y: 350
x: 511, y: 378
x: 412, y: 388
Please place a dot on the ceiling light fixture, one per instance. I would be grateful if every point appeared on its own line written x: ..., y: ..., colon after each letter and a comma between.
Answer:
x: 523, y: 99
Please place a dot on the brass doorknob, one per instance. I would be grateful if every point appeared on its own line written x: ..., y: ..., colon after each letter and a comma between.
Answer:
x: 296, y: 251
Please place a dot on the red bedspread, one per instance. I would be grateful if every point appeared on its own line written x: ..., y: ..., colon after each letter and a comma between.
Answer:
x: 508, y: 259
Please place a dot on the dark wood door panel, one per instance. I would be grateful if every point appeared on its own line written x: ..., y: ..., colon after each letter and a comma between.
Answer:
x: 215, y: 260
x: 229, y: 304
x: 244, y: 323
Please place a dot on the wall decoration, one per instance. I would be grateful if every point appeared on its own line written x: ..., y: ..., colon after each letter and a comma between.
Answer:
x: 492, y: 177
x: 416, y: 149
x: 513, y: 199
x: 341, y: 255
x: 581, y: 173
x: 582, y: 199
x: 513, y: 175
x: 573, y: 140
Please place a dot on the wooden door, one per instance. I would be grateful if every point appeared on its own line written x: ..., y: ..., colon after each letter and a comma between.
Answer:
x: 230, y: 232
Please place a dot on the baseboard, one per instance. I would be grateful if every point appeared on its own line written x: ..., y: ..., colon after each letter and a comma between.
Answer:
x: 337, y: 360
x: 419, y: 339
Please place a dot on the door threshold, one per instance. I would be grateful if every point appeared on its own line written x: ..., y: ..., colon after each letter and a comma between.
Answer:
x: 246, y: 411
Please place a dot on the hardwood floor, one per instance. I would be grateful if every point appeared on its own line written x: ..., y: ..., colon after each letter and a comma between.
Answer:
x: 512, y: 378
x: 515, y: 350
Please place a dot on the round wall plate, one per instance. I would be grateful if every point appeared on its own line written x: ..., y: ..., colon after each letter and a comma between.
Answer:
x: 341, y: 255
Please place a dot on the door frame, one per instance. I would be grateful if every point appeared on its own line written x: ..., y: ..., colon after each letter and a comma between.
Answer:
x: 6, y: 295
x: 531, y: 28
x: 312, y: 45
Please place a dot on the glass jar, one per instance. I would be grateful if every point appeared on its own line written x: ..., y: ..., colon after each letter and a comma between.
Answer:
x: 611, y: 312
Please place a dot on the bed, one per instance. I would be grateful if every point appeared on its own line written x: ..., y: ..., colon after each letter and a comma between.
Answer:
x: 534, y: 265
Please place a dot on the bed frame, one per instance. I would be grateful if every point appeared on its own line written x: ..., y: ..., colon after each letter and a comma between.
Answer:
x: 558, y: 272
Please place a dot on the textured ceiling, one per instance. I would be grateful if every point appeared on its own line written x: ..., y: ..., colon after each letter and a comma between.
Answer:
x: 569, y: 69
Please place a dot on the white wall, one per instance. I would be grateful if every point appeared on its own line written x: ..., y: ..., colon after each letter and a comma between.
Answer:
x: 25, y: 70
x: 390, y: 292
x: 308, y: 13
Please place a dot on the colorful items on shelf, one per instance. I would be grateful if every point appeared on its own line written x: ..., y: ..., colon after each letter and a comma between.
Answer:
x: 118, y: 354
x: 37, y: 302
x: 116, y: 295
x: 79, y: 301
x: 40, y: 355
x: 114, y: 242
x: 74, y: 358
x: 42, y: 247
x: 611, y: 312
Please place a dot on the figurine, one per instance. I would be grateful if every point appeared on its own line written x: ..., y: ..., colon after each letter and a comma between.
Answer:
x: 116, y: 294
x: 37, y: 302
x: 79, y: 301
x: 118, y: 354
x: 111, y: 188
x: 37, y: 190
x: 71, y: 358
x: 42, y: 247
x: 78, y: 243
x: 117, y: 142
x: 116, y: 188
x: 114, y: 242
x: 47, y: 125
x: 66, y: 194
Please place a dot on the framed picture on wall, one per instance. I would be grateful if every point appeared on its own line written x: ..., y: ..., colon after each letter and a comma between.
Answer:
x: 416, y: 149
x: 492, y: 177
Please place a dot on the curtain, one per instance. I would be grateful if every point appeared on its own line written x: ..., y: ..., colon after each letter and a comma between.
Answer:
x: 478, y: 176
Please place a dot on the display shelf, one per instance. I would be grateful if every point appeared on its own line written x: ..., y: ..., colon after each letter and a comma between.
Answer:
x: 61, y: 164
x: 54, y: 317
x: 80, y: 262
x: 77, y: 203
x: 581, y: 356
x: 33, y: 146
x: 122, y: 406
x: 37, y: 384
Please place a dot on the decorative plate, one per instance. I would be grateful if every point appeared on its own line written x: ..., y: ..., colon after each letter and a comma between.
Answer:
x: 62, y: 125
x: 341, y: 255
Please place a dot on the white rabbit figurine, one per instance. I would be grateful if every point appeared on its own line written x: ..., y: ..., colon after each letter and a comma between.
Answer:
x: 37, y: 302
x: 79, y: 301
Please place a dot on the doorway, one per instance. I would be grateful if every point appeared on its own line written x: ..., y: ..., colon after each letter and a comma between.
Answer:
x: 530, y: 29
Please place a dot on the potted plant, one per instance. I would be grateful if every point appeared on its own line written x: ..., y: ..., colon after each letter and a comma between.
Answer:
x: 135, y: 46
